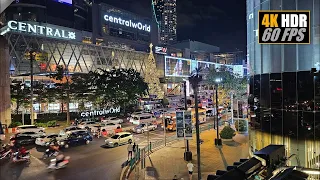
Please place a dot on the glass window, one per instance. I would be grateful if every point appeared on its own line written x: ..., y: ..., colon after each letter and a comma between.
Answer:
x: 265, y: 103
x: 276, y: 103
x: 290, y: 108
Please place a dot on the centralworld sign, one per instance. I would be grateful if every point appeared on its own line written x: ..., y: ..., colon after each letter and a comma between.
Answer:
x: 111, y: 110
x: 41, y: 30
x: 128, y: 23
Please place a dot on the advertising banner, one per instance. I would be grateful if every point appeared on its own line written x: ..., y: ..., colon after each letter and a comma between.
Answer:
x: 180, y: 124
x: 188, y: 124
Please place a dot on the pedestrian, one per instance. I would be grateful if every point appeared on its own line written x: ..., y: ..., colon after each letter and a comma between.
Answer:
x: 130, y: 149
x: 134, y: 148
x: 104, y: 133
x: 190, y: 169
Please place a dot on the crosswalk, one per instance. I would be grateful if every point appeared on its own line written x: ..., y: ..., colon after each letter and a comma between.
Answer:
x: 142, y: 139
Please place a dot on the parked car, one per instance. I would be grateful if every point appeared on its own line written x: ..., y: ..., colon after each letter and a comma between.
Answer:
x: 119, y: 139
x: 25, y: 140
x: 109, y: 127
x: 29, y: 128
x: 87, y: 124
x: 76, y: 138
x: 32, y: 134
x: 112, y: 120
x: 144, y: 127
x: 45, y: 140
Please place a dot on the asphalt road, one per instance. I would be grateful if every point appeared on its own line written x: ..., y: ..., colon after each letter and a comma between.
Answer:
x: 87, y: 162
x: 91, y: 161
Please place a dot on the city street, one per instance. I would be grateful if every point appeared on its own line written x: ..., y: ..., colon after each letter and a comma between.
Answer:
x: 91, y: 161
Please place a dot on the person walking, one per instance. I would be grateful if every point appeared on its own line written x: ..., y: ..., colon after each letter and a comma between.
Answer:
x: 134, y: 148
x: 190, y: 169
x: 130, y: 149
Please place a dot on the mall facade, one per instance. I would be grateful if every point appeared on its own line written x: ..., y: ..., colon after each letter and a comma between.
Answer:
x: 284, y: 94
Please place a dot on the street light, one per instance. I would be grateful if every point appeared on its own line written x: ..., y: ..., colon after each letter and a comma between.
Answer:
x: 217, y: 140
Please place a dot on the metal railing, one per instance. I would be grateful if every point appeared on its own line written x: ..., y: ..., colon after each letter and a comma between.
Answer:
x: 157, y: 145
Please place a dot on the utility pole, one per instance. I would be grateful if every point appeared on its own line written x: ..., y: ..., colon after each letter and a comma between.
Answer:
x: 31, y: 53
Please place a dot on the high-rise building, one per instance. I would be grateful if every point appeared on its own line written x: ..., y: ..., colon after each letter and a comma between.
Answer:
x: 284, y: 94
x: 165, y: 12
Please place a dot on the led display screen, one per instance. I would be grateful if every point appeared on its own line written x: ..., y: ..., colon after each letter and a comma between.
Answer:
x: 64, y: 1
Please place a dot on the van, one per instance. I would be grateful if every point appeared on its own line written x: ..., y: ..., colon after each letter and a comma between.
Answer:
x: 146, y: 117
x: 29, y: 128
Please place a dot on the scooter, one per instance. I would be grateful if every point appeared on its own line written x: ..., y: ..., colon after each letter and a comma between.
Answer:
x: 62, y: 164
x: 49, y: 152
x: 21, y: 158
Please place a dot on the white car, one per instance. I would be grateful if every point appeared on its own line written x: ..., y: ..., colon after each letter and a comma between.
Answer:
x: 29, y: 128
x: 71, y: 128
x: 31, y: 134
x: 119, y: 139
x: 109, y: 127
x: 87, y: 124
x: 45, y: 140
x: 113, y: 120
x: 144, y: 127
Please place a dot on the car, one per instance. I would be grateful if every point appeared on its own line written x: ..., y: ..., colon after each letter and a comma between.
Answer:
x: 71, y: 128
x: 87, y: 124
x: 2, y: 135
x: 25, y: 140
x: 113, y: 120
x: 29, y: 128
x: 144, y: 127
x: 109, y: 127
x: 76, y: 138
x: 119, y: 139
x: 32, y: 134
x: 45, y: 140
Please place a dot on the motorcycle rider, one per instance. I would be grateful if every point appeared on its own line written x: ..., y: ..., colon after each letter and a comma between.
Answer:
x: 54, y: 145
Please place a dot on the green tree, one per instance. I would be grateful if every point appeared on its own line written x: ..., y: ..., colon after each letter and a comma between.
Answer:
x: 19, y: 94
x: 119, y: 86
x: 63, y: 87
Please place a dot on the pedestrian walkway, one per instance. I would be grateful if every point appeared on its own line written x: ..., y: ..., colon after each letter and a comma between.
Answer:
x: 167, y: 162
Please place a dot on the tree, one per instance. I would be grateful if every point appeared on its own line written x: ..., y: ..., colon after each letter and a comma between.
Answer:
x: 152, y: 76
x: 63, y: 76
x: 231, y: 83
x: 19, y: 94
x: 119, y: 86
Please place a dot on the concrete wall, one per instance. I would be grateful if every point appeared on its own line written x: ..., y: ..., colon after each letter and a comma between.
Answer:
x: 5, y: 101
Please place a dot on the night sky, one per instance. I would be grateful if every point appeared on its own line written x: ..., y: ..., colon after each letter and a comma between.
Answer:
x: 216, y: 22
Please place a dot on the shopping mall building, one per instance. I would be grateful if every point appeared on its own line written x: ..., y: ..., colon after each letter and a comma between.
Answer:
x: 285, y: 95
x: 84, y: 36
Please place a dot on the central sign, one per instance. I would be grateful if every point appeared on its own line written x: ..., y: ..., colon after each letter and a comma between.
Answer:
x: 41, y: 30
x: 128, y: 23
x: 102, y: 112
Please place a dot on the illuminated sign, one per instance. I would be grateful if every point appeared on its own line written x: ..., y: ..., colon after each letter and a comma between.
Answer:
x: 101, y: 112
x: 128, y: 23
x: 41, y: 30
x: 284, y: 27
x: 160, y: 50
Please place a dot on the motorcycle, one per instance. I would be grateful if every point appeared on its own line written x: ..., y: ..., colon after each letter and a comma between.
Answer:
x: 20, y: 158
x: 49, y: 153
x: 62, y: 164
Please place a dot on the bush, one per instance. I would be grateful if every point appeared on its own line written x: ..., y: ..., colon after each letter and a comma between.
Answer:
x: 15, y: 124
x: 41, y: 124
x: 241, y: 125
x: 51, y: 123
x: 227, y: 133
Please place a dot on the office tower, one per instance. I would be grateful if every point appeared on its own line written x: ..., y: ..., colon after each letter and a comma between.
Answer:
x: 165, y: 13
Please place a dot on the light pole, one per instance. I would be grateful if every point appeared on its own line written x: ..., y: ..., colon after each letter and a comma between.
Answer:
x: 217, y: 141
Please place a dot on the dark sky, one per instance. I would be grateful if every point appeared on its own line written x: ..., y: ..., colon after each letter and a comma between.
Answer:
x: 217, y: 22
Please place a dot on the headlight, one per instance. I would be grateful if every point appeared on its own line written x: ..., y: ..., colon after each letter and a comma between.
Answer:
x: 61, y: 143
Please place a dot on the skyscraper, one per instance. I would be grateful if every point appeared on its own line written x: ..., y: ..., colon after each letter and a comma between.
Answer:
x: 165, y: 13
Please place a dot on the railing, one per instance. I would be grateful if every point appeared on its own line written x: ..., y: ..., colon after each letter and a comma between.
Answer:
x: 158, y: 144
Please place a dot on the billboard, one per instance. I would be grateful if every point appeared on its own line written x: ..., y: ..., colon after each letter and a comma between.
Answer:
x: 64, y: 1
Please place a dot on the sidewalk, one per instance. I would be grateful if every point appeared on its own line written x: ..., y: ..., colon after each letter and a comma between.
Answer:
x: 167, y: 162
